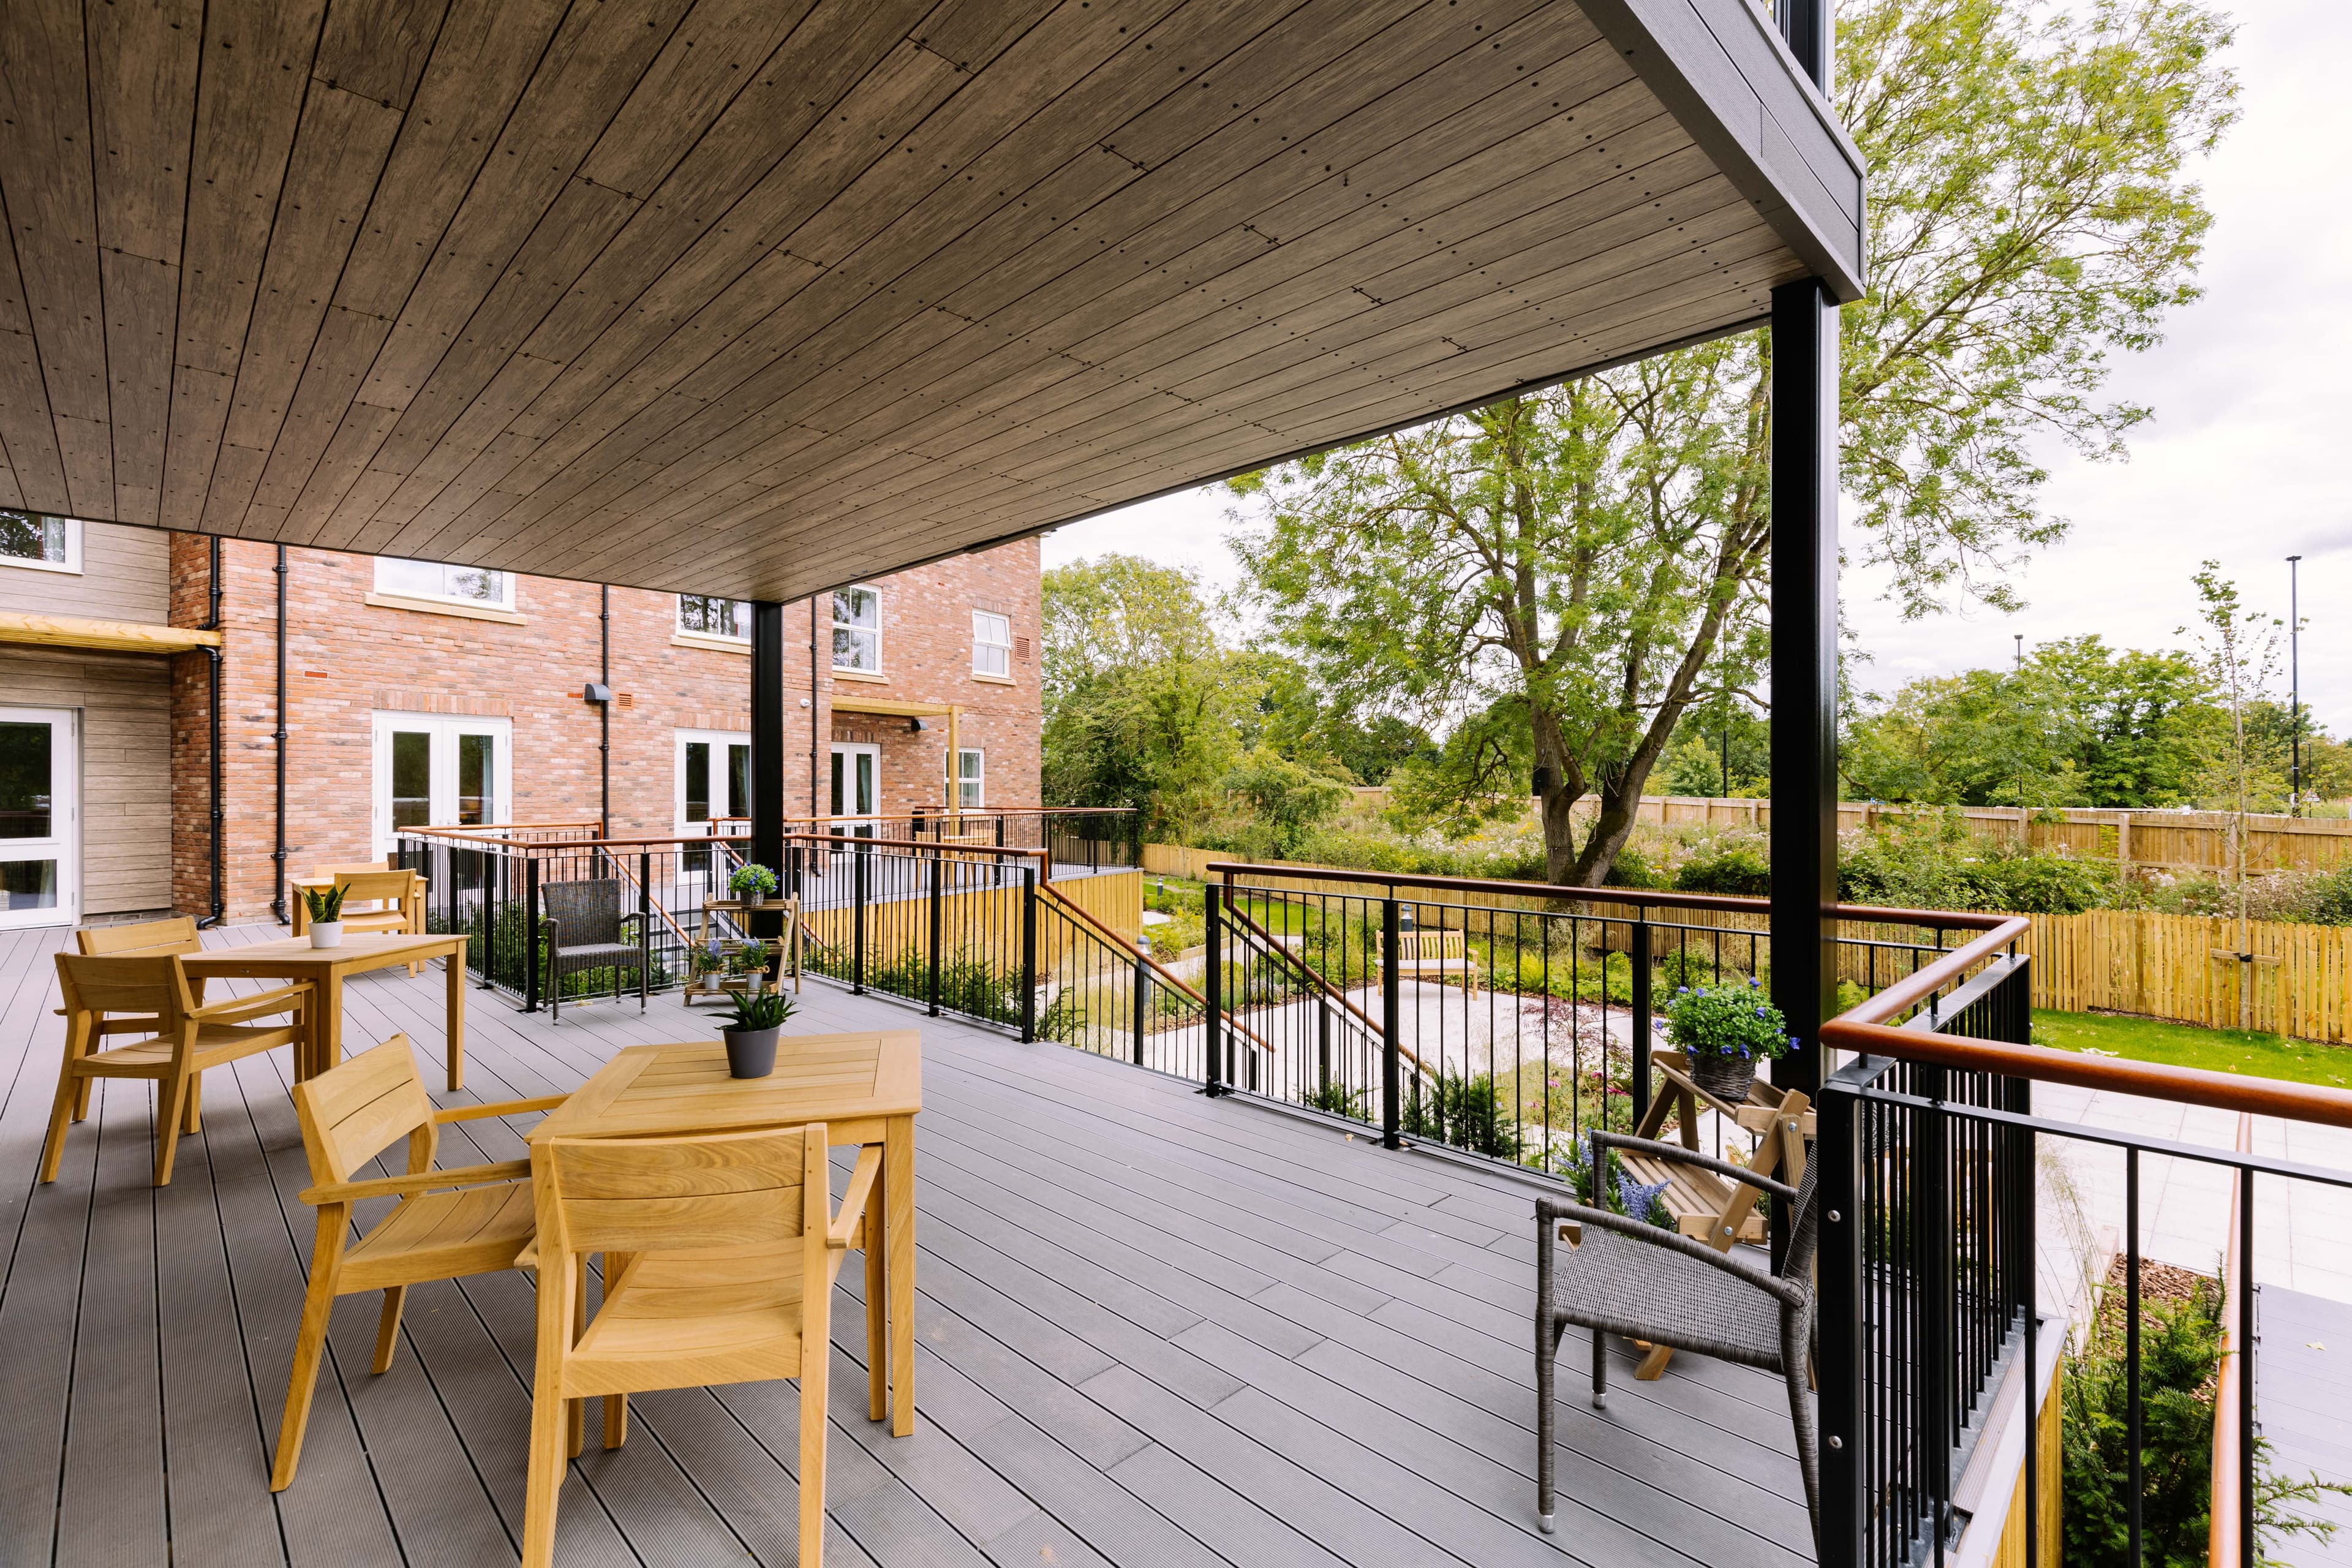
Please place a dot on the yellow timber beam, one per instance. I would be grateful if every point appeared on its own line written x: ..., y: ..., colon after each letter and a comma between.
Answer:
x: 119, y: 636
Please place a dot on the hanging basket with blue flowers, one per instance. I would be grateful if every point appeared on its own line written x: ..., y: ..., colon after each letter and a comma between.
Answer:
x: 1723, y: 1031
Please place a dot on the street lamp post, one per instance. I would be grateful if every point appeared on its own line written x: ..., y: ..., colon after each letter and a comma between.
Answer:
x: 2295, y: 684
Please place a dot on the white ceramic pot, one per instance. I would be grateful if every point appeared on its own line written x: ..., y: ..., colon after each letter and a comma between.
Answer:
x: 326, y: 933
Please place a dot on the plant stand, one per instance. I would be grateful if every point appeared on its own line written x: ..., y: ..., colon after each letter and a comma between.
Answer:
x: 718, y: 985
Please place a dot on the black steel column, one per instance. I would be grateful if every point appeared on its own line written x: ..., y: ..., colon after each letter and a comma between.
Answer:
x: 767, y: 746
x: 1804, y: 672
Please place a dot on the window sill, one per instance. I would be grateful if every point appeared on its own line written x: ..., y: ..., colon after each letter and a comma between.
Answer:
x: 715, y: 644
x: 448, y: 607
x: 865, y: 676
x: 27, y: 564
x: 993, y: 680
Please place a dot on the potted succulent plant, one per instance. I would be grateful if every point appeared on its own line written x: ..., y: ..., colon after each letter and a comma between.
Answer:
x: 752, y: 883
x: 325, y: 906
x: 1723, y: 1031
x: 751, y: 1033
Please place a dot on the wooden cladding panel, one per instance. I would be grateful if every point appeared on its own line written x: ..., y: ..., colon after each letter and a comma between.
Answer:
x: 732, y: 296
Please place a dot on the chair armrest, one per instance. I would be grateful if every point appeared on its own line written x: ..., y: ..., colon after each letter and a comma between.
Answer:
x: 844, y: 1228
x: 415, y: 1182
x: 236, y: 1009
x: 1550, y: 1213
x: 1654, y: 1150
x: 502, y: 1108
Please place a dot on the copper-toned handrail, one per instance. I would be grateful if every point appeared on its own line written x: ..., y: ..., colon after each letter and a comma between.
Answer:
x: 1088, y: 918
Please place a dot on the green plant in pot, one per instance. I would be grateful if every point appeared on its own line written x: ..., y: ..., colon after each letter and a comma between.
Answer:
x: 752, y: 883
x: 751, y: 1033
x: 325, y: 906
x: 1723, y: 1032
x: 750, y: 961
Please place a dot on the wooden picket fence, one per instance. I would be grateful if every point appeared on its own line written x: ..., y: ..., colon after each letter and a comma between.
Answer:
x: 2186, y: 969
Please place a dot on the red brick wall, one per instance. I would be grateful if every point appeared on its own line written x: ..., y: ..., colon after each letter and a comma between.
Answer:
x: 346, y: 659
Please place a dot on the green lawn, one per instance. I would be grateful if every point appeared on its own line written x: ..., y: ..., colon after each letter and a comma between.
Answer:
x: 2186, y: 1045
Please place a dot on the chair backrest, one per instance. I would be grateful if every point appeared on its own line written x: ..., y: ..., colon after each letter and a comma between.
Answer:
x: 127, y: 982
x: 374, y: 886
x: 720, y: 1190
x: 176, y: 935
x: 1805, y: 1226
x: 341, y: 866
x: 585, y: 912
x: 353, y: 1111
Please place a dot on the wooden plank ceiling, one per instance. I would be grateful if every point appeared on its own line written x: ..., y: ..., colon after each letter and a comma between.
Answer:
x: 757, y: 297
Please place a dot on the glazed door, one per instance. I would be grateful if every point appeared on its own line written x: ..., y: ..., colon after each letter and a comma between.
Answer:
x: 40, y: 818
x: 856, y: 789
x: 433, y: 771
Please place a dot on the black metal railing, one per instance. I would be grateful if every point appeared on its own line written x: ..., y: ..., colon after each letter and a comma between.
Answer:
x: 1492, y: 1018
x: 1928, y: 1146
x: 1074, y: 839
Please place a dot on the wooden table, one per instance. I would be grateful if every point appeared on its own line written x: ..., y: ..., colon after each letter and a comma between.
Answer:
x: 293, y: 958
x: 865, y: 1089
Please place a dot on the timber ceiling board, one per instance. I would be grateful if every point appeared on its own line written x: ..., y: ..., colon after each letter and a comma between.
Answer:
x: 750, y: 297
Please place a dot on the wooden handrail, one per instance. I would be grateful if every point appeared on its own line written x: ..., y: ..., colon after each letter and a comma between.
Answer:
x: 2226, y: 1509
x: 1403, y: 1050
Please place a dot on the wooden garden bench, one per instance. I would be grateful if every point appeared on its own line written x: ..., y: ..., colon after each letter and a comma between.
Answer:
x: 1435, y: 952
x: 1705, y: 1206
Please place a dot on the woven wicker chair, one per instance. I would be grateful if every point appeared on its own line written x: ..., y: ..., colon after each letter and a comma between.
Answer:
x: 583, y: 924
x: 1626, y: 1276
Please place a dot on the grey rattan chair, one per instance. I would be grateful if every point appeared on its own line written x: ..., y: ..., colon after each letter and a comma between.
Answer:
x: 583, y: 924
x: 1626, y: 1276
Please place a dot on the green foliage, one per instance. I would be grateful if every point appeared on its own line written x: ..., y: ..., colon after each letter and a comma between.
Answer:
x: 1463, y: 1111
x: 1737, y: 866
x: 1336, y: 1099
x: 1286, y: 799
x: 1557, y: 580
x: 751, y: 878
x: 751, y: 958
x: 1725, y: 1021
x: 1933, y: 862
x: 2181, y: 1350
x: 768, y: 1010
x: 325, y: 905
x: 1707, y: 739
x: 970, y: 984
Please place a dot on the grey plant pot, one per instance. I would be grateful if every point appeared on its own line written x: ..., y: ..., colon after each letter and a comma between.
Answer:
x: 751, y: 1053
x: 1726, y: 1078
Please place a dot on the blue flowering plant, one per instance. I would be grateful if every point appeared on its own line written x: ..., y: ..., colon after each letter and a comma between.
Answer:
x: 1733, y: 1021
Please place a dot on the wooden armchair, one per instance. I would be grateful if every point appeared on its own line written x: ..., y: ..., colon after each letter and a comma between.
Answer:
x: 720, y: 1260
x: 177, y: 934
x: 471, y: 1219
x: 178, y: 1040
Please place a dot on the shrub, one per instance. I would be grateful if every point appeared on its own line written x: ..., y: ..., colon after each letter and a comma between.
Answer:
x: 1725, y: 1021
x: 1739, y: 868
x: 1462, y: 1111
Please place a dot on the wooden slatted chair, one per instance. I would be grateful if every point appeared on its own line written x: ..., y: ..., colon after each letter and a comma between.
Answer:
x: 178, y: 1040
x: 720, y: 1258
x: 177, y: 934
x: 469, y: 1219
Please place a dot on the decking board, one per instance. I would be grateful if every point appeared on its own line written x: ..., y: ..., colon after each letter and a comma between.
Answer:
x: 1153, y: 1328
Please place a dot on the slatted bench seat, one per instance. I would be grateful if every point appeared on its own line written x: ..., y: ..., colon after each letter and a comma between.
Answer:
x: 1435, y: 953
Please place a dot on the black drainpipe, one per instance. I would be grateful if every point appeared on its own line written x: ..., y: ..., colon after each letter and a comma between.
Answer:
x: 605, y: 709
x: 278, y: 855
x: 816, y: 742
x: 213, y: 707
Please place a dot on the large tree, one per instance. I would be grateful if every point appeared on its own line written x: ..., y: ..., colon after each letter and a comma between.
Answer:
x: 1555, y: 580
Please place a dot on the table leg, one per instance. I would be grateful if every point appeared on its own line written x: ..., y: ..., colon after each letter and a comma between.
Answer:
x: 456, y: 1027
x: 899, y: 1194
x: 327, y: 1033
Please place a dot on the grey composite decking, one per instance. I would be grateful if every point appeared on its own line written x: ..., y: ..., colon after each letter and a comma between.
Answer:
x: 1154, y: 1329
x: 2303, y: 1382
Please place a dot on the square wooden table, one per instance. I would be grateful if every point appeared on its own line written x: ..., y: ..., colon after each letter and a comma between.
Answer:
x: 865, y: 1089
x: 293, y: 958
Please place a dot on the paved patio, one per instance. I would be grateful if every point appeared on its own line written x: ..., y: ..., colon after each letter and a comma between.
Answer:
x: 1154, y: 1329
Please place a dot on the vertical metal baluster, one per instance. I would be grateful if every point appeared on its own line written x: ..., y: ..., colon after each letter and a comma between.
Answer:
x: 2248, y: 1557
x: 1642, y: 1004
x: 938, y: 933
x: 1028, y: 952
x: 2131, y: 1343
x: 1392, y: 1065
x: 1214, y: 970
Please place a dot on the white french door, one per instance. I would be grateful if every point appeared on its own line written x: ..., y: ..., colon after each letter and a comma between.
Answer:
x: 714, y: 778
x: 856, y: 788
x: 434, y: 770
x: 40, y: 817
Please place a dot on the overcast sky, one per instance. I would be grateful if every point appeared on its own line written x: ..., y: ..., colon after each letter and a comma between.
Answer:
x: 2245, y: 461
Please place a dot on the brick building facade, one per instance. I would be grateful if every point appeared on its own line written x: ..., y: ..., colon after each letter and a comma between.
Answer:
x: 481, y: 696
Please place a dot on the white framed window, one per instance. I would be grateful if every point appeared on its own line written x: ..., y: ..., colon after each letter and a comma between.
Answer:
x: 714, y: 778
x: 858, y: 630
x: 443, y: 582
x: 971, y: 779
x: 709, y: 616
x: 43, y: 542
x: 992, y: 644
x: 440, y: 771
